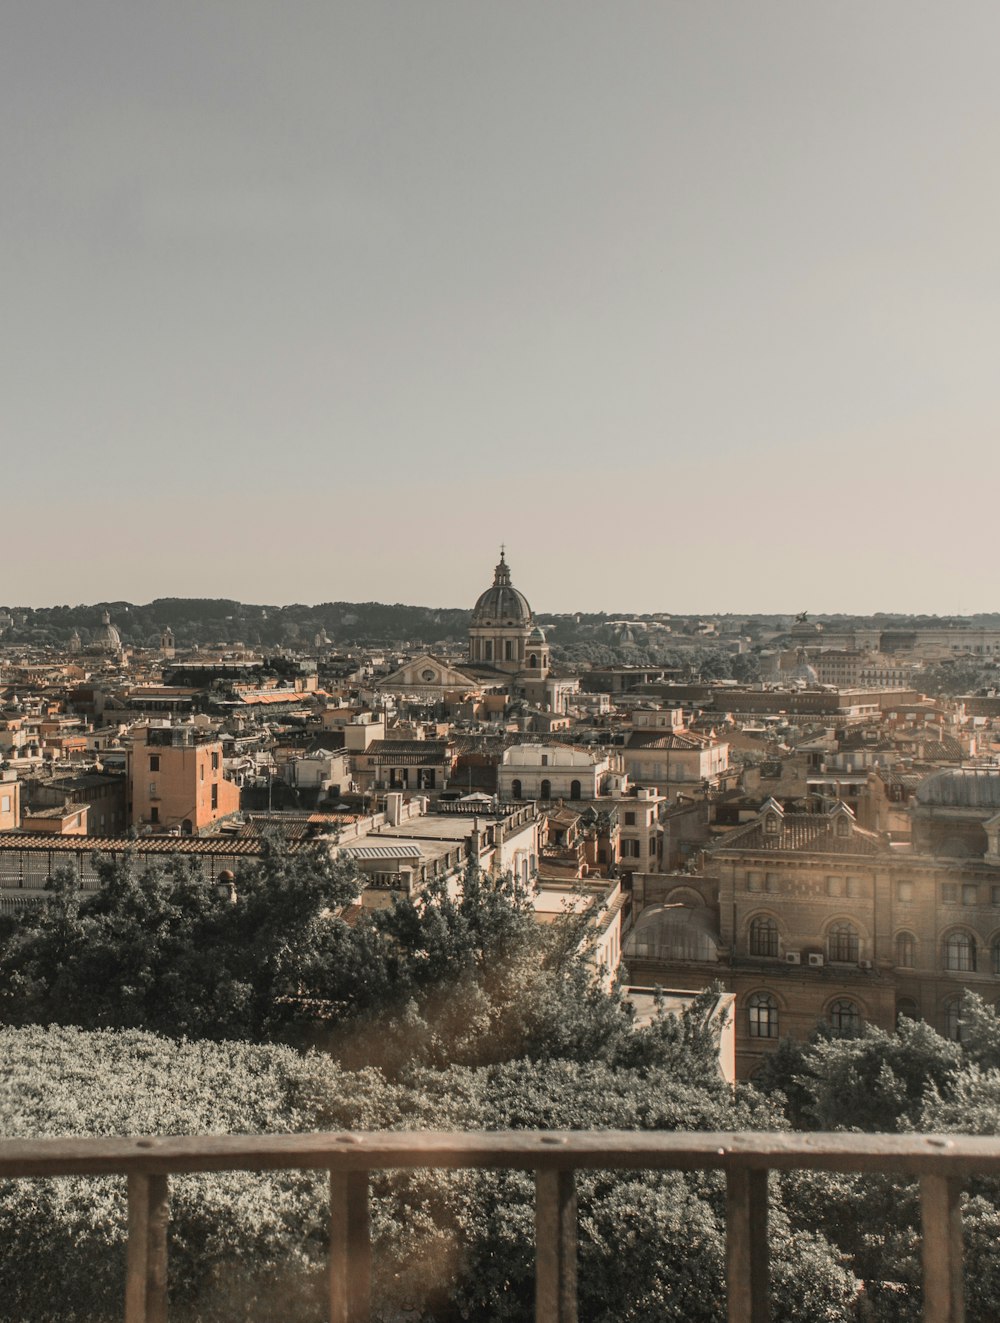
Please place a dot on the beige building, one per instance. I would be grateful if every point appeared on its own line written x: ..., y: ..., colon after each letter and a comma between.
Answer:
x: 553, y: 771
x: 809, y: 917
x: 675, y: 759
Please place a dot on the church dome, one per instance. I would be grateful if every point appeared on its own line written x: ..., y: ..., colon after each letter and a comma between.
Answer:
x: 502, y: 604
x: 107, y: 637
x: 537, y: 635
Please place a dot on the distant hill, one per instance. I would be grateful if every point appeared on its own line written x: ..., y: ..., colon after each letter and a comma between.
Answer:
x: 197, y: 620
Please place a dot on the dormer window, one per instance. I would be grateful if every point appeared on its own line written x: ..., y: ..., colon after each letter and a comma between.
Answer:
x: 771, y: 824
x: 843, y: 826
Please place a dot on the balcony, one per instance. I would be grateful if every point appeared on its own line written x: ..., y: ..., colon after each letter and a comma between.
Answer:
x: 941, y: 1163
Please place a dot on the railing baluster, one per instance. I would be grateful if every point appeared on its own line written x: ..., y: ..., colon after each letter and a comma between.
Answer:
x: 555, y: 1247
x: 941, y: 1216
x: 746, y: 1246
x: 350, y: 1248
x: 146, y: 1261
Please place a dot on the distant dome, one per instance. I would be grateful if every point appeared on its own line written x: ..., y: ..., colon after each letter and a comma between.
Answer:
x: 502, y: 604
x: 107, y: 638
x: 537, y: 635
x: 961, y: 787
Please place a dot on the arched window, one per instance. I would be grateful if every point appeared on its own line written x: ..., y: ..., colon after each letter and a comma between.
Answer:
x: 545, y: 792
x: 906, y: 1009
x: 906, y: 950
x: 953, y: 1019
x: 515, y: 789
x: 845, y: 1017
x: 532, y: 660
x: 763, y: 937
x: 842, y: 943
x: 575, y: 790
x: 762, y: 1016
x: 995, y: 955
x: 959, y: 953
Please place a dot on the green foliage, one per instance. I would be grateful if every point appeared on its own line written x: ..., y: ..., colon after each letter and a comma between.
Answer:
x: 875, y: 1081
x: 157, y: 949
x: 448, y: 1245
x: 431, y: 981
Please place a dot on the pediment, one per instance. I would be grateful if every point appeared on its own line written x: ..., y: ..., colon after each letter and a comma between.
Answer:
x: 427, y: 670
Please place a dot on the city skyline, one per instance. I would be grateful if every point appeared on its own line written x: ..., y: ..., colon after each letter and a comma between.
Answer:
x: 691, y: 305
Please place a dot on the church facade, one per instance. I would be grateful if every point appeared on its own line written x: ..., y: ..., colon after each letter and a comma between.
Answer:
x: 507, y: 652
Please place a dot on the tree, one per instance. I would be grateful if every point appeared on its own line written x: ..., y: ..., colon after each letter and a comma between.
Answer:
x: 448, y: 1245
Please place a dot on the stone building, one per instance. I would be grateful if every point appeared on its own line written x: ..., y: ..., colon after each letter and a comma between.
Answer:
x: 809, y: 917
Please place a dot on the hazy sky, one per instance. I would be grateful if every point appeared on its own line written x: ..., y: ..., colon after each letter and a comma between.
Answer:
x: 696, y: 305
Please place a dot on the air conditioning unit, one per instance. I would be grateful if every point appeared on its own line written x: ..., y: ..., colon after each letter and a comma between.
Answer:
x: 864, y: 964
x: 816, y: 961
x: 793, y: 957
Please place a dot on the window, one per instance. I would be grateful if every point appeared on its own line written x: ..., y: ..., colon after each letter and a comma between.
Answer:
x: 545, y: 790
x: 770, y: 882
x: 764, y: 937
x: 995, y: 955
x: 904, y: 892
x: 5, y: 804
x: 843, y: 944
x: 762, y: 1016
x: 508, y: 650
x: 845, y: 1017
x: 906, y: 1009
x: 960, y: 953
x: 215, y: 762
x: 215, y: 797
x: 545, y: 760
x: 754, y: 882
x: 949, y: 892
x: 154, y: 814
x: 154, y: 762
x: 995, y: 895
x: 970, y: 894
x: 834, y: 886
x: 630, y: 849
x: 953, y: 1019
x: 855, y: 887
x: 906, y: 950
x: 575, y: 790
x: 629, y: 819
x: 652, y: 847
x: 771, y: 824
x: 843, y: 826
x: 515, y: 789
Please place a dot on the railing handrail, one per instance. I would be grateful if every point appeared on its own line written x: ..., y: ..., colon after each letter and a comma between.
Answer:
x: 908, y: 1154
x: 941, y: 1162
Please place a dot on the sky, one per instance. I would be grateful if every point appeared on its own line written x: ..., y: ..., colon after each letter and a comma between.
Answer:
x: 694, y: 305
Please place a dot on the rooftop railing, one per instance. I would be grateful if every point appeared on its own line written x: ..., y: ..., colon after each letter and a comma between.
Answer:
x: 942, y: 1164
